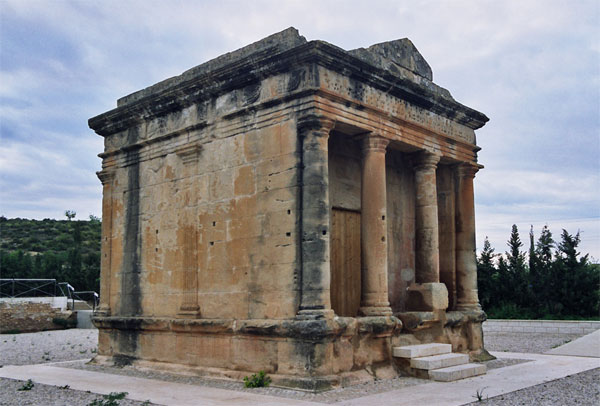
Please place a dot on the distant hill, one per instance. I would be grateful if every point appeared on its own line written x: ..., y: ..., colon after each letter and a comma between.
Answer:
x: 66, y: 250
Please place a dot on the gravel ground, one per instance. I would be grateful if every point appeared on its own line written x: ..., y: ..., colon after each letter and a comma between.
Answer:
x: 46, y: 395
x: 48, y: 346
x: 77, y: 345
x: 579, y: 389
x: 529, y: 343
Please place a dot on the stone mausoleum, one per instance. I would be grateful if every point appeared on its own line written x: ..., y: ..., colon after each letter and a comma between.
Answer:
x: 289, y: 207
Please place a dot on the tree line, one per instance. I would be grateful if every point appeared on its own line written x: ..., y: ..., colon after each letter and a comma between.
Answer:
x: 65, y: 250
x: 552, y: 280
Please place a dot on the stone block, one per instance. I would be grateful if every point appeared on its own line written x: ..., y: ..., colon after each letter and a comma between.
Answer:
x: 213, y: 351
x: 226, y: 279
x: 185, y: 347
x: 277, y: 164
x: 220, y: 185
x: 274, y: 278
x: 421, y: 350
x: 244, y: 181
x: 277, y: 200
x: 278, y: 180
x: 427, y: 297
x: 224, y: 305
x: 238, y: 252
x: 264, y: 304
x: 254, y: 354
x: 439, y: 361
x: 343, y: 355
x: 370, y: 350
x: 243, y: 207
x: 305, y: 358
x: 457, y: 372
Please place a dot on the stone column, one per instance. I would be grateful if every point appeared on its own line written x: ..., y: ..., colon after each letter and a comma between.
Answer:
x: 189, y: 306
x: 428, y: 294
x: 466, y: 265
x: 106, y: 177
x: 373, y: 229
x: 315, y: 300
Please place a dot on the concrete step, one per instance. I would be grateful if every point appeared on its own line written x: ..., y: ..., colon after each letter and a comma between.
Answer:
x: 439, y: 361
x: 457, y: 372
x: 421, y: 350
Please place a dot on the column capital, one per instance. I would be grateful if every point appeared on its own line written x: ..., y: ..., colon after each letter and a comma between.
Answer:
x: 105, y: 176
x: 319, y: 124
x: 467, y: 170
x: 188, y: 153
x: 374, y: 143
x: 426, y: 160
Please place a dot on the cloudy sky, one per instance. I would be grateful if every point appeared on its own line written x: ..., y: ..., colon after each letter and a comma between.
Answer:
x: 532, y: 66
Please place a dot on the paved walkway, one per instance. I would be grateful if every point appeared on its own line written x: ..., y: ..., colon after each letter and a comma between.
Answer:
x: 586, y: 346
x: 579, y: 356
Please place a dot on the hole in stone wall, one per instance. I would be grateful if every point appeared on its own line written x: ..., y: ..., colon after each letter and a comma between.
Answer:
x: 214, y: 223
x: 324, y: 232
x: 156, y: 231
x: 289, y: 212
x: 383, y: 217
x: 382, y: 238
x: 288, y: 234
x: 212, y: 243
x: 155, y: 249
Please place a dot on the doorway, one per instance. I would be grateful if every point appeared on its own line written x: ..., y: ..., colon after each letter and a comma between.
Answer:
x: 345, y: 262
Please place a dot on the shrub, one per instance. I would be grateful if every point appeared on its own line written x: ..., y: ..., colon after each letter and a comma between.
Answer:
x: 27, y: 385
x: 260, y: 380
x: 112, y: 399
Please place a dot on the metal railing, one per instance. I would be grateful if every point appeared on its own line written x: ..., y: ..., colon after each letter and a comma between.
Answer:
x: 83, y: 293
x: 21, y: 288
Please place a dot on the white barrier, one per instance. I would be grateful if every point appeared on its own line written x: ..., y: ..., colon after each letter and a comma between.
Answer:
x: 540, y: 326
x: 57, y: 302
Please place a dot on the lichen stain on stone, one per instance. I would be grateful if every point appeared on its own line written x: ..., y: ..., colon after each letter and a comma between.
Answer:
x: 169, y: 173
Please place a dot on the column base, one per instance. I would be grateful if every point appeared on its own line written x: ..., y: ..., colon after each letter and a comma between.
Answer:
x: 102, y: 311
x: 370, y: 311
x: 468, y: 306
x: 427, y: 297
x: 189, y: 312
x: 315, y: 314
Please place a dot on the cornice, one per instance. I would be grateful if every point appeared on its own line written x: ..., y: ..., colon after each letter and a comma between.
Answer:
x: 187, y: 89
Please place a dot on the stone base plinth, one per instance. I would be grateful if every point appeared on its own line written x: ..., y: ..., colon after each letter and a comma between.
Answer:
x: 427, y: 297
x: 461, y: 329
x: 312, y: 355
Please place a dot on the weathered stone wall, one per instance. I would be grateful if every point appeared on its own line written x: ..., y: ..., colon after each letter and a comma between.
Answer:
x: 248, y: 226
x: 236, y: 208
x: 344, y: 172
x: 25, y: 317
x: 335, y: 352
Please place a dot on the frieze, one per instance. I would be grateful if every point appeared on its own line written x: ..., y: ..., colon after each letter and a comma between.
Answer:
x: 369, y: 96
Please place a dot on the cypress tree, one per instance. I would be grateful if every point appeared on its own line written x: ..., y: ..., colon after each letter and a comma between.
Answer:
x: 517, y: 273
x: 487, y: 275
